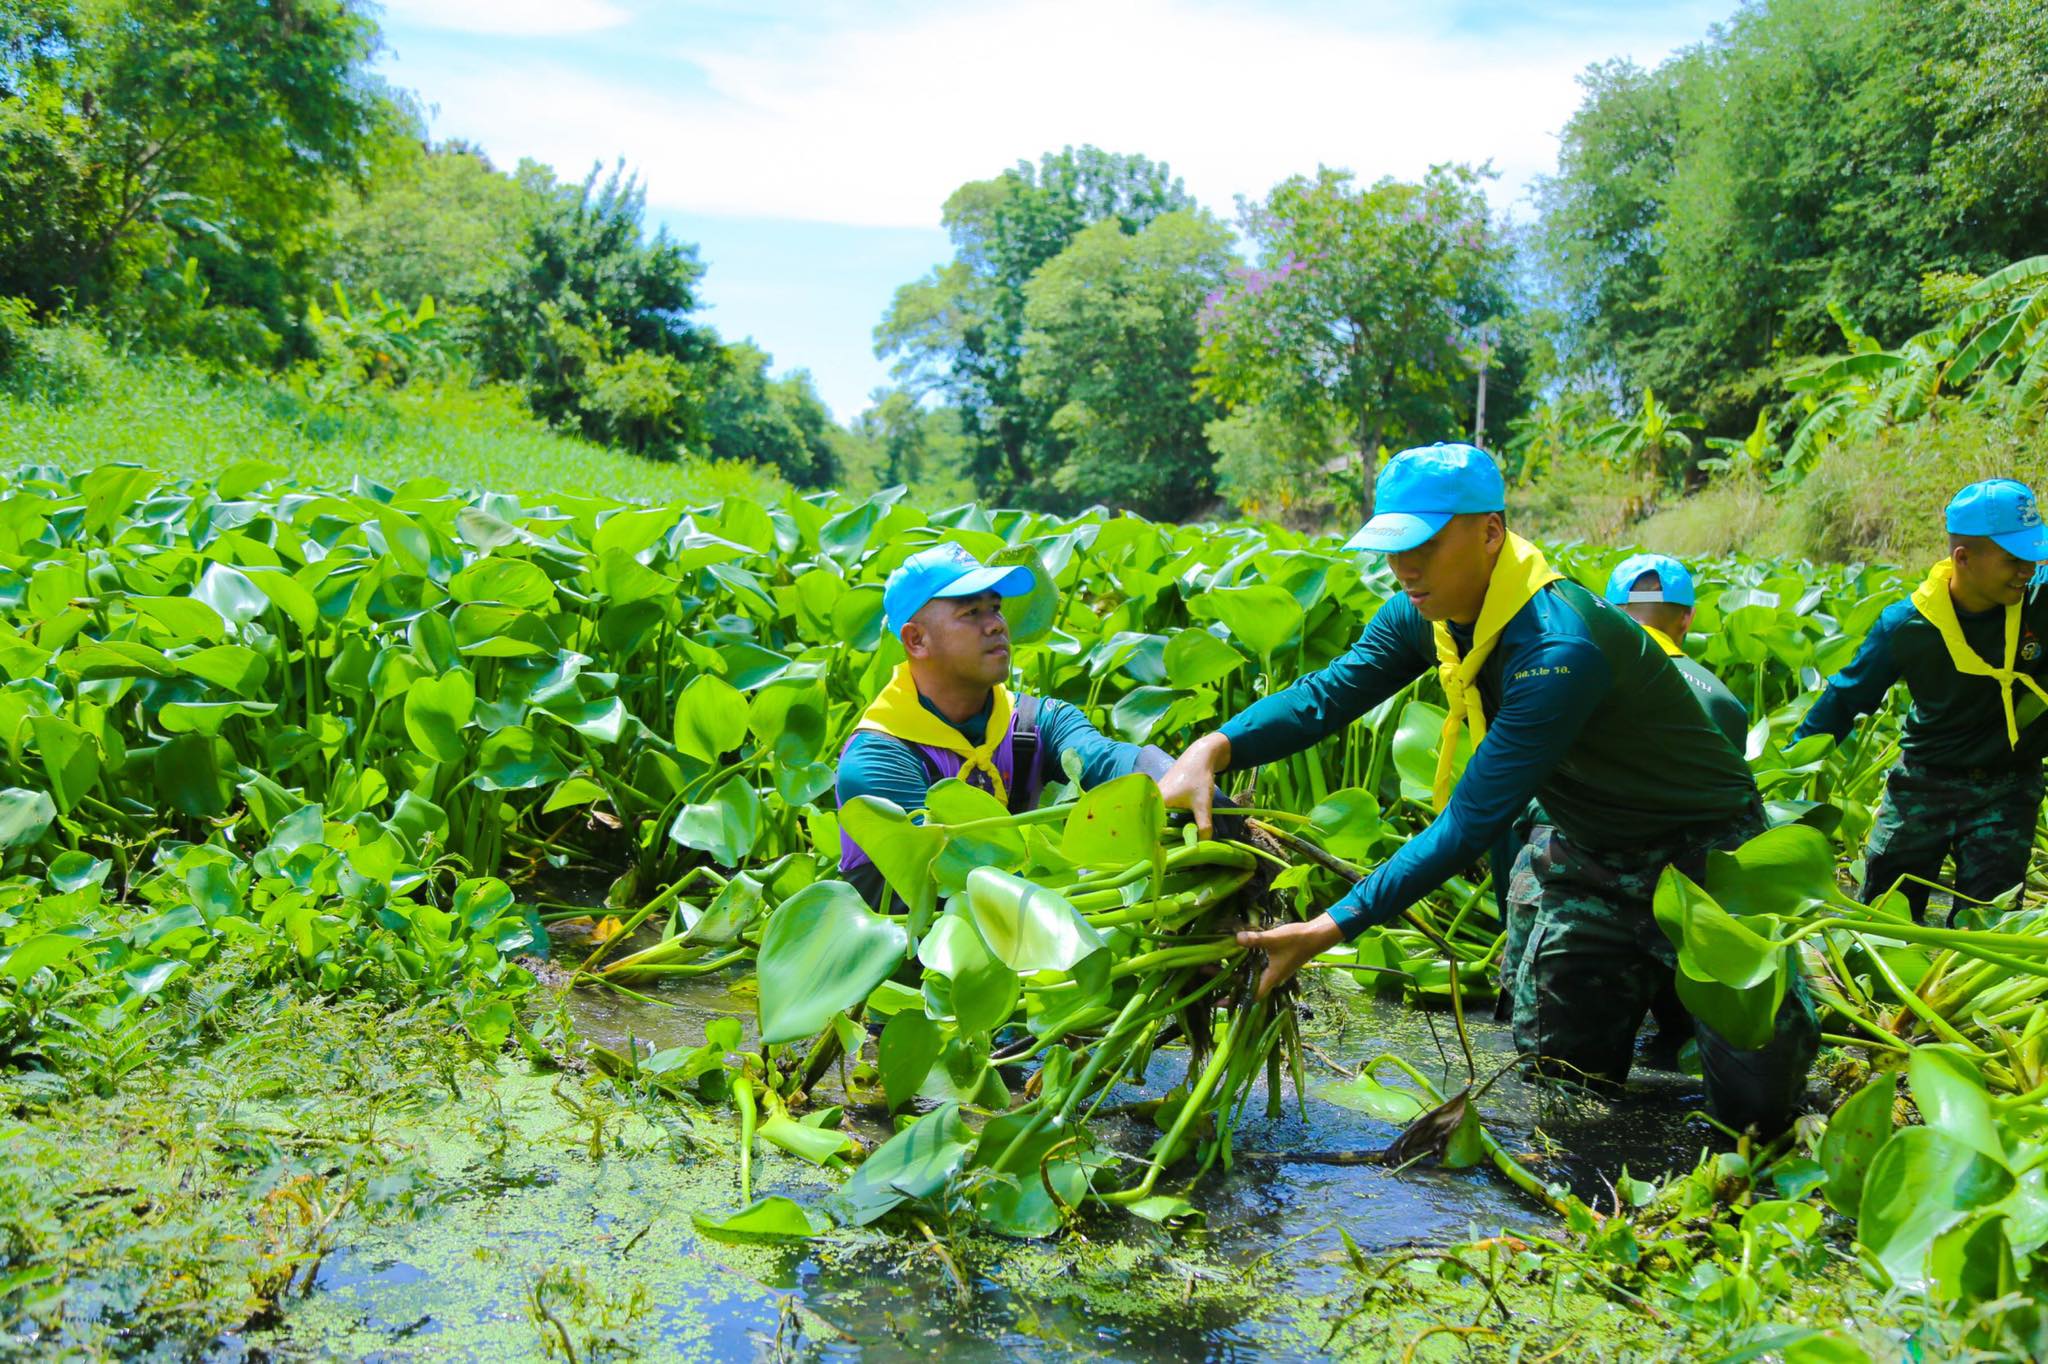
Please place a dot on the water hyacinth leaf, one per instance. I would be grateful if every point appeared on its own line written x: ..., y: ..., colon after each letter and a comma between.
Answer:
x: 575, y: 791
x: 1710, y: 940
x: 73, y: 871
x: 228, y: 666
x: 1855, y: 1134
x: 1779, y: 871
x: 188, y: 777
x: 901, y: 850
x: 952, y: 801
x: 1028, y: 927
x: 1264, y: 617
x: 1140, y: 710
x: 727, y: 826
x: 1115, y: 824
x: 1972, y: 1262
x: 512, y: 582
x: 1166, y: 1208
x: 70, y: 758
x: 1348, y: 823
x: 437, y: 709
x: 1745, y: 1017
x: 711, y: 718
x: 433, y: 642
x: 1417, y: 736
x: 416, y: 819
x: 1951, y: 1097
x: 45, y: 949
x: 1196, y: 658
x: 822, y: 952
x: 818, y: 1145
x: 1031, y: 616
x: 736, y: 908
x: 1366, y: 1095
x: 982, y: 990
x: 1923, y: 1182
x: 233, y: 597
x: 773, y: 1218
x: 24, y: 816
x: 908, y: 1046
x: 516, y: 759
x: 914, y: 1164
x: 288, y: 595
x: 208, y: 717
x: 1020, y: 1204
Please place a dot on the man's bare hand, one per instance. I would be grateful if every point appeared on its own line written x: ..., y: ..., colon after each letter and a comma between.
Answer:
x: 1190, y: 784
x: 1288, y: 946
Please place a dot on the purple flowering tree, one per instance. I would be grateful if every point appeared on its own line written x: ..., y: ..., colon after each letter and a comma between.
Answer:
x: 1356, y: 316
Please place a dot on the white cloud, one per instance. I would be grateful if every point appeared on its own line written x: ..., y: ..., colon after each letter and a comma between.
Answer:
x: 876, y: 124
x: 512, y: 18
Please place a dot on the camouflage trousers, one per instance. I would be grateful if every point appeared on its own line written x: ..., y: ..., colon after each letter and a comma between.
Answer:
x: 1593, y: 961
x: 1983, y: 819
x: 1518, y: 911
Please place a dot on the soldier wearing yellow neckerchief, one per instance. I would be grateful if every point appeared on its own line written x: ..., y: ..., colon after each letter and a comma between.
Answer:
x: 1566, y: 700
x: 948, y: 711
x: 1968, y: 646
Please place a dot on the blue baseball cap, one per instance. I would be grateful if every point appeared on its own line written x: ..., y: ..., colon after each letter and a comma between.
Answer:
x: 2002, y: 510
x: 1422, y: 489
x: 946, y: 571
x: 1676, y: 579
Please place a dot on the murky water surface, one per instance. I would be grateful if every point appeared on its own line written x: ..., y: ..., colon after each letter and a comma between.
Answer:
x: 1257, y: 1281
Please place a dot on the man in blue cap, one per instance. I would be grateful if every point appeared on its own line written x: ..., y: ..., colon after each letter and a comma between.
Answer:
x: 1657, y: 592
x: 947, y: 713
x: 1968, y: 646
x: 1567, y: 701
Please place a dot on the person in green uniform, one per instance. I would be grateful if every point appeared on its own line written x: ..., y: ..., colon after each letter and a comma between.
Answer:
x: 1968, y: 645
x: 946, y: 711
x: 1658, y: 593
x: 1569, y: 702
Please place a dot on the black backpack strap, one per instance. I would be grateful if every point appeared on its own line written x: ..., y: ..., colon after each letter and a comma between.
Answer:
x: 1023, y: 748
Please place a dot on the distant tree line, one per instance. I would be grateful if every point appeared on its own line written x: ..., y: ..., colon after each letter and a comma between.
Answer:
x: 227, y: 178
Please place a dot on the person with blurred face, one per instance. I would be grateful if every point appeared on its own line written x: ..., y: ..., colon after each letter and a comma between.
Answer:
x: 1569, y: 702
x: 1968, y: 646
x: 946, y: 711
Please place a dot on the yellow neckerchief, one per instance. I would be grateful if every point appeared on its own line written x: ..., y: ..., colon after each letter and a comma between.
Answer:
x: 1664, y: 641
x: 1519, y: 574
x: 1933, y: 601
x: 900, y: 713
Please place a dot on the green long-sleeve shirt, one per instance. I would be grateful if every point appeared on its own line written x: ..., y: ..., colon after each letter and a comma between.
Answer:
x: 1957, y: 720
x: 1584, y: 711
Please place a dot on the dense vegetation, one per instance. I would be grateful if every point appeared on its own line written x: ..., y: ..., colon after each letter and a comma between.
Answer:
x: 1726, y: 240
x: 289, y: 766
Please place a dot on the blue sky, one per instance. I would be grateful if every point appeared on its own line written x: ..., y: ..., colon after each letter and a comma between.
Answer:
x: 807, y: 147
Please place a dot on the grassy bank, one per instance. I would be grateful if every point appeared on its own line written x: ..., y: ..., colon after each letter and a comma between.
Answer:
x: 1877, y: 500
x: 81, y: 406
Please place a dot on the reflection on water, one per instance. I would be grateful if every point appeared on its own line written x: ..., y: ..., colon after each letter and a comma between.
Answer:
x: 1244, y: 1285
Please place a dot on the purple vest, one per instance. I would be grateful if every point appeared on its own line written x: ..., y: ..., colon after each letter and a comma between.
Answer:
x: 941, y: 763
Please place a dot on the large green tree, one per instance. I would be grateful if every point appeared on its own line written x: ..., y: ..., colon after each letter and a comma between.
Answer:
x: 779, y: 423
x: 434, y: 220
x: 959, y: 331
x: 1709, y: 217
x: 592, y: 318
x: 1110, y: 349
x: 136, y: 130
x: 1366, y: 312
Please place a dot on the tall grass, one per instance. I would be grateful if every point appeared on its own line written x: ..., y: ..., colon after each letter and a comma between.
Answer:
x: 76, y: 406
